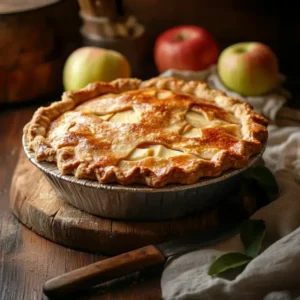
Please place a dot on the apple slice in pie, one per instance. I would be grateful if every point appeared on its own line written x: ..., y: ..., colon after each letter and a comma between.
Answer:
x: 154, y: 132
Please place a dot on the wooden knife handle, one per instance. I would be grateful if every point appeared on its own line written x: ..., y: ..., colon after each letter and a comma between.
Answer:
x: 104, y: 270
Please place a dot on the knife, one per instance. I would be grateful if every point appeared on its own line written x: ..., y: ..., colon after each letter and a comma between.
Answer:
x: 136, y: 260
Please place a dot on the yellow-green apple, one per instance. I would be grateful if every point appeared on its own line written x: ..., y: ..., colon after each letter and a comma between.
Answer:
x: 89, y: 64
x: 185, y: 47
x: 248, y: 68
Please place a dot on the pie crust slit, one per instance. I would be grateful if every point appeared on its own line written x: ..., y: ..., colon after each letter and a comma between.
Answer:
x: 154, y: 132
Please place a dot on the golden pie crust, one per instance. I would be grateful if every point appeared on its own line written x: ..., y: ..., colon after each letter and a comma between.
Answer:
x: 154, y: 132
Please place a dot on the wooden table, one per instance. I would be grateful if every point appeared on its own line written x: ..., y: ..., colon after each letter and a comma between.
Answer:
x: 28, y: 260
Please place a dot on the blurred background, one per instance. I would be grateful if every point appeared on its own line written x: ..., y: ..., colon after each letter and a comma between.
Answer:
x: 36, y: 36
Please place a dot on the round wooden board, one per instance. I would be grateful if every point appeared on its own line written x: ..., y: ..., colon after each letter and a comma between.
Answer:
x: 36, y: 205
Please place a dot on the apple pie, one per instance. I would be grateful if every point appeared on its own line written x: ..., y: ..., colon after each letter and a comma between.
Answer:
x: 154, y: 132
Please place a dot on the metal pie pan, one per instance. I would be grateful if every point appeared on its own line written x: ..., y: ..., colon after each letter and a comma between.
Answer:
x: 139, y: 202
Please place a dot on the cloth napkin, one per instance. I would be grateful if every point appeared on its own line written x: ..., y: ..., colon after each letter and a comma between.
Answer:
x: 274, y: 274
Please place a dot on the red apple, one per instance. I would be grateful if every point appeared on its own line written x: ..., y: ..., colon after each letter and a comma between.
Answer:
x: 185, y: 47
x: 248, y: 68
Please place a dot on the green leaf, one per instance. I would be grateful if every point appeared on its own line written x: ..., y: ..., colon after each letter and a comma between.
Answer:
x: 252, y: 235
x: 265, y: 179
x: 228, y: 261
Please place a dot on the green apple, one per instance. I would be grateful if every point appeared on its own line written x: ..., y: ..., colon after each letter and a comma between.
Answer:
x: 89, y: 64
x: 248, y: 68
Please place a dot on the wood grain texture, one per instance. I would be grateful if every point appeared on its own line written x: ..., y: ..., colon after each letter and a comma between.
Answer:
x: 38, y: 207
x: 35, y: 39
x: 26, y: 259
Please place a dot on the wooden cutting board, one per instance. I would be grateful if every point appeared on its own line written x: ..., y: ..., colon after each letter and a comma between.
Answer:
x: 36, y: 205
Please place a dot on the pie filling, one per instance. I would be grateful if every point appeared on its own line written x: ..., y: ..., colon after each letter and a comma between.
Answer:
x: 173, y: 121
x: 154, y: 151
x: 146, y: 129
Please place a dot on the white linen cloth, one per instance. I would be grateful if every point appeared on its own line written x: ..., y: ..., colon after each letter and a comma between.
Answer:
x: 275, y: 273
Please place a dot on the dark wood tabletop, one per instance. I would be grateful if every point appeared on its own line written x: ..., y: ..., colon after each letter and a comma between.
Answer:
x: 28, y: 260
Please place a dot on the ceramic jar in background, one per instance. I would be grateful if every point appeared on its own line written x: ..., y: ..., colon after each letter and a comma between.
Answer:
x: 127, y: 38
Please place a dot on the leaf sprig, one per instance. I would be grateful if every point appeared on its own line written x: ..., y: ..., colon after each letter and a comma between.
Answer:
x: 265, y: 178
x: 252, y: 232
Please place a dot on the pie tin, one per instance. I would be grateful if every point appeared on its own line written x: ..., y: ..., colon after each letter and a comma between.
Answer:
x: 138, y: 202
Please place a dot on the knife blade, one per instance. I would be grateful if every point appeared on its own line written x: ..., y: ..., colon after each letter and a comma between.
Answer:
x: 136, y: 260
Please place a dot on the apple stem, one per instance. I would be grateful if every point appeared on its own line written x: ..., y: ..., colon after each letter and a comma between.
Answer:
x: 179, y: 37
x: 239, y: 50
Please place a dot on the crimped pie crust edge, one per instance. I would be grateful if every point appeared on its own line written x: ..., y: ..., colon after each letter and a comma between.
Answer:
x: 253, y: 128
